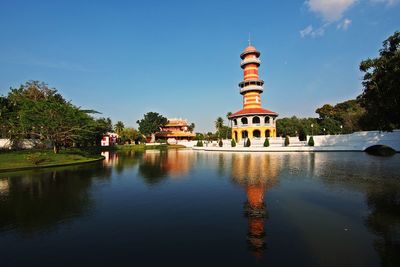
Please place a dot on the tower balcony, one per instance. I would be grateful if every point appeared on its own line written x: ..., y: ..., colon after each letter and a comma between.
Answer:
x: 251, y: 60
x: 251, y: 82
x: 248, y: 88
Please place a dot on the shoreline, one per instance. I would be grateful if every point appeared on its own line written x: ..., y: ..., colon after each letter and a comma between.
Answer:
x: 278, y: 149
x: 2, y: 170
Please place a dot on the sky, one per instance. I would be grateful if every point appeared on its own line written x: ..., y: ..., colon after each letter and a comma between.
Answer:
x: 181, y: 58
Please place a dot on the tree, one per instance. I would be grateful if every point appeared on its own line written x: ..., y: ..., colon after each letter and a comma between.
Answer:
x: 119, y: 127
x: 266, y: 142
x: 39, y: 112
x: 225, y: 131
x: 191, y: 127
x: 218, y: 125
x: 233, y: 143
x: 228, y: 115
x: 381, y: 94
x: 151, y: 123
x: 311, y: 141
x: 287, y: 142
x: 129, y: 135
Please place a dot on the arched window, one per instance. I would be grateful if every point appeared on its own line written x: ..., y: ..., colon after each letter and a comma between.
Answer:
x: 256, y: 133
x: 244, y: 120
x: 267, y: 133
x: 256, y: 120
x: 235, y: 122
x: 266, y: 120
x: 244, y: 134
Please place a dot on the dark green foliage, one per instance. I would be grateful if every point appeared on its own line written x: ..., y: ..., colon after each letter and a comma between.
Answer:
x: 191, y: 127
x: 302, y: 135
x: 119, y: 127
x: 266, y: 142
x: 129, y: 135
x: 38, y: 112
x: 199, y: 143
x: 311, y: 141
x: 381, y: 95
x: 225, y: 132
x: 287, y: 142
x: 248, y: 143
x: 220, y: 143
x: 199, y: 136
x: 233, y: 143
x: 295, y: 126
x: 151, y: 123
x: 347, y: 113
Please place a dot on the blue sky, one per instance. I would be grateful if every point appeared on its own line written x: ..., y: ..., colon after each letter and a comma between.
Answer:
x: 181, y: 58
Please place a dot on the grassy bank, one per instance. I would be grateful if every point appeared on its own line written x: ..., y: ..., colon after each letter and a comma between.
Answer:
x: 29, y: 159
x: 144, y: 147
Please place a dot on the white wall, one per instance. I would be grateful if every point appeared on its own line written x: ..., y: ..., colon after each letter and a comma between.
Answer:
x: 355, y: 141
x: 360, y: 140
x: 26, y: 144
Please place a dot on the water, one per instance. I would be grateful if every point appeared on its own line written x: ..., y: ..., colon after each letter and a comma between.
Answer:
x: 186, y: 208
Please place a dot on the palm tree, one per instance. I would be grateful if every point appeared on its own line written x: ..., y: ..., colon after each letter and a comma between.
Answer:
x: 119, y: 127
x: 218, y: 124
x: 191, y: 127
x: 228, y: 114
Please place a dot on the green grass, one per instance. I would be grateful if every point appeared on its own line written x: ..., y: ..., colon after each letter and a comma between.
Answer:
x: 26, y: 159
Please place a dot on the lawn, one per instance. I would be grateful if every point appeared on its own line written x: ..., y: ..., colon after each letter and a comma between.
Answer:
x: 24, y: 159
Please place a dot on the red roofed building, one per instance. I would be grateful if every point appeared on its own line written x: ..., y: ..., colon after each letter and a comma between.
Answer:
x: 175, y: 129
x: 252, y: 121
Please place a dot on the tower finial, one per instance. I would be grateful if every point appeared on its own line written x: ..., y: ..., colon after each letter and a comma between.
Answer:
x: 249, y: 40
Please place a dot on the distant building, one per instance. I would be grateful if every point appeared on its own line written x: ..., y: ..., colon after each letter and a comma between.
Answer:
x: 252, y: 121
x: 175, y: 129
x: 109, y: 139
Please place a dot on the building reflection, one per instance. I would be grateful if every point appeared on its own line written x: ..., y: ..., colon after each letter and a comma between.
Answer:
x: 110, y: 158
x: 159, y: 164
x: 256, y: 173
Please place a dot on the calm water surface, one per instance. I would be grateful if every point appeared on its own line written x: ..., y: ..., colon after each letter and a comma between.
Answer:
x: 186, y: 208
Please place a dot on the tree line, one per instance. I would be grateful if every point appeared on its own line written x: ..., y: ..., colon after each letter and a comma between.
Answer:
x: 36, y: 111
x: 376, y: 108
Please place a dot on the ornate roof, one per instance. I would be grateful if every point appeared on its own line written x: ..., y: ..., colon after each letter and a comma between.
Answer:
x: 253, y: 111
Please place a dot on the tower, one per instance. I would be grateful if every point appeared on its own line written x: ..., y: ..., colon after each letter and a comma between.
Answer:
x: 252, y: 121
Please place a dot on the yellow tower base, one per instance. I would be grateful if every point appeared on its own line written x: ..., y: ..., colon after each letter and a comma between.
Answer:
x: 239, y: 133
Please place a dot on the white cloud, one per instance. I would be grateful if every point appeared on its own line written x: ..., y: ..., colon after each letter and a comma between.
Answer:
x: 310, y: 31
x: 344, y: 24
x: 331, y: 10
x: 386, y: 2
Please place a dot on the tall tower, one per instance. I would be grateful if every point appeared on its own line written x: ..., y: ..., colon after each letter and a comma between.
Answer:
x: 252, y: 121
x: 251, y: 87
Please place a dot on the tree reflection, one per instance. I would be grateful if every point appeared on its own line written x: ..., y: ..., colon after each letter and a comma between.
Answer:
x: 37, y: 200
x: 257, y: 173
x: 384, y: 221
x: 382, y: 192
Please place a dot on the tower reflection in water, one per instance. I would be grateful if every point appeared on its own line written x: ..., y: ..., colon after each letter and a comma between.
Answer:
x: 257, y: 173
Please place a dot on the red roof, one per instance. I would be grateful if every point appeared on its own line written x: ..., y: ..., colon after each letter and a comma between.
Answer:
x: 249, y: 111
x: 250, y: 48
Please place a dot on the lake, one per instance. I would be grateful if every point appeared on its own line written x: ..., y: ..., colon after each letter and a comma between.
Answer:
x: 188, y: 208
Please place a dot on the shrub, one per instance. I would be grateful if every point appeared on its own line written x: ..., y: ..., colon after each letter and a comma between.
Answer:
x: 287, y: 142
x: 233, y: 143
x: 36, y: 158
x: 266, y: 142
x: 311, y: 141
x: 248, y: 144
x: 199, y: 143
x: 220, y: 143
